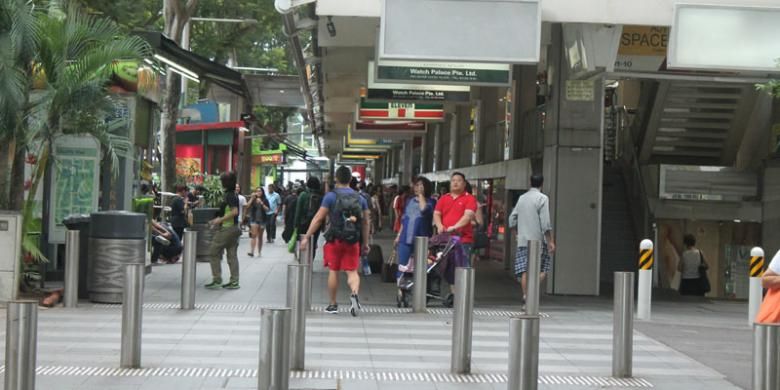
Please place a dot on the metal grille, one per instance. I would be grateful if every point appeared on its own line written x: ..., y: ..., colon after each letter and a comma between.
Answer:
x: 335, y: 374
x: 321, y: 308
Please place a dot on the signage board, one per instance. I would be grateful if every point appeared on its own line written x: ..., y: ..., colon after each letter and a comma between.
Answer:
x: 390, y: 126
x: 414, y: 92
x: 454, y: 73
x: 360, y: 142
x: 580, y: 90
x: 269, y: 158
x: 401, y: 111
x: 74, y: 180
x: 257, y: 148
x: 494, y: 31
x: 712, y: 37
x: 642, y: 48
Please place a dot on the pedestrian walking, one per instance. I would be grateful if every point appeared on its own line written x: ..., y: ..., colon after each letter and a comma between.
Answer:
x: 417, y: 221
x: 399, y: 204
x: 241, y: 208
x: 274, y: 203
x: 455, y: 210
x: 179, y: 211
x: 257, y: 206
x: 376, y: 208
x: 309, y: 202
x: 288, y: 211
x: 531, y: 219
x: 693, y: 269
x: 226, y: 235
x: 348, y: 227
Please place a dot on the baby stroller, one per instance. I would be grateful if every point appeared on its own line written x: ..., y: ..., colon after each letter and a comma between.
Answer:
x: 445, y: 253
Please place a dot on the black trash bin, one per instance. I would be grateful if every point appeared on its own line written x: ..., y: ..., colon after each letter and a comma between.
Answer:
x: 200, y: 223
x: 116, y: 238
x: 80, y: 222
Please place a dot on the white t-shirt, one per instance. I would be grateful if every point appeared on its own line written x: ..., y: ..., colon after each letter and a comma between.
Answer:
x: 241, y: 206
x: 774, y: 265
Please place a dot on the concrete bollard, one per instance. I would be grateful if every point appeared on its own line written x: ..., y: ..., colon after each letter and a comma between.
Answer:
x: 645, y: 292
x: 21, y: 343
x: 623, y: 326
x: 756, y: 292
x: 462, y: 324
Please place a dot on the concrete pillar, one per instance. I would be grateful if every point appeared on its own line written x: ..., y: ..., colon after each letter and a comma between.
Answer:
x: 453, y: 145
x: 436, y: 161
x: 379, y: 170
x: 466, y: 150
x: 524, y: 104
x: 424, y: 153
x: 572, y: 167
x: 407, y: 157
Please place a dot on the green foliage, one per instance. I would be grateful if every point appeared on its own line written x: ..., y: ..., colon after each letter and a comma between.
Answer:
x: 772, y: 87
x: 128, y: 15
x: 214, y: 193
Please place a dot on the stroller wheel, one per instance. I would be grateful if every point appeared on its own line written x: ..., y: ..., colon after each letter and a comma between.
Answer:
x: 450, y: 301
x: 404, y: 299
x: 399, y: 298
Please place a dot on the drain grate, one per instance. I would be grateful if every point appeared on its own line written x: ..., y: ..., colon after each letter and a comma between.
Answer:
x: 336, y: 374
x: 372, y: 309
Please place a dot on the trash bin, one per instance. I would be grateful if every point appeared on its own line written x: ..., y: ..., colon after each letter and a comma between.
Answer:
x: 200, y: 223
x: 80, y: 222
x: 116, y: 238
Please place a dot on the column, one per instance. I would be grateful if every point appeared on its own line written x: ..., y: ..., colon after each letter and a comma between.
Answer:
x: 523, y: 106
x: 453, y: 144
x: 424, y: 152
x: 573, y: 175
x: 437, y: 141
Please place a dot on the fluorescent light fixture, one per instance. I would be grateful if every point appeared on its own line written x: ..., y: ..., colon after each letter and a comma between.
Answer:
x: 177, y: 68
x: 148, y: 61
x: 185, y: 75
x: 243, y: 129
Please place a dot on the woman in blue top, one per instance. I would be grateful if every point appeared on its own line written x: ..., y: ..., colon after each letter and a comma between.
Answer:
x: 417, y: 220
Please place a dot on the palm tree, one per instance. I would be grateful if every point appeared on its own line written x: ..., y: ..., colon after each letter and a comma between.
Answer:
x: 72, y: 64
x: 18, y: 43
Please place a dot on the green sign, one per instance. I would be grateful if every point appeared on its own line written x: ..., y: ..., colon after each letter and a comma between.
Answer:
x: 74, y: 181
x: 257, y: 148
x: 444, y: 73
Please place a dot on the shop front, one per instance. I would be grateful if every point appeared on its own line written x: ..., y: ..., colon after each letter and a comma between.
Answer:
x: 266, y: 164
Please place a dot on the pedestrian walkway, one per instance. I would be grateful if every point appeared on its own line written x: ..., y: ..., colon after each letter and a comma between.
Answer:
x: 216, y: 345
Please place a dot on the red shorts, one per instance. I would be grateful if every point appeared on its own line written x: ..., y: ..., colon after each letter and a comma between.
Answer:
x: 342, y: 256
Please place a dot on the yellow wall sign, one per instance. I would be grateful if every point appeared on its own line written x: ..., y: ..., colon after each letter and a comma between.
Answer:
x: 642, y: 48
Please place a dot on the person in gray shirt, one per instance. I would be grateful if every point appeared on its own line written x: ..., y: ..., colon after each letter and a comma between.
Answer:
x: 531, y: 218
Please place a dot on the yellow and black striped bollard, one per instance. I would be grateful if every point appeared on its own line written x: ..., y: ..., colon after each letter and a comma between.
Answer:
x: 756, y: 292
x: 645, y: 291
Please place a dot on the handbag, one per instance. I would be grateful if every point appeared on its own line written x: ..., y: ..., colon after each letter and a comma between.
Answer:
x: 291, y: 245
x: 481, y: 239
x: 769, y: 311
x: 704, y: 281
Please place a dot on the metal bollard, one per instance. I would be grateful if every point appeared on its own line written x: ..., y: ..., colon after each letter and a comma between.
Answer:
x: 420, y: 292
x: 307, y: 257
x: 523, y: 353
x: 756, y: 292
x: 534, y: 272
x: 462, y: 324
x: 188, y: 269
x: 766, y: 363
x: 132, y: 315
x: 645, y: 292
x: 274, y: 363
x: 297, y: 293
x: 623, y: 325
x: 21, y: 343
x: 71, y: 295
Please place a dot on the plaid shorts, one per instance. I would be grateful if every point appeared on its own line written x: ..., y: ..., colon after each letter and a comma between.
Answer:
x: 521, y: 260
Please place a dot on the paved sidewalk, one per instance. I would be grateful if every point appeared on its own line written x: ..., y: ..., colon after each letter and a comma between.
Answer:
x: 216, y: 346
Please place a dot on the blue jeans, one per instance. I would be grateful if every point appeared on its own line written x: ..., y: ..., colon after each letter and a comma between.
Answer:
x: 403, y: 253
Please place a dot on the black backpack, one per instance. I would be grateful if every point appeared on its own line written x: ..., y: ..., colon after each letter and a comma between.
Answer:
x: 346, y: 218
x: 315, y: 201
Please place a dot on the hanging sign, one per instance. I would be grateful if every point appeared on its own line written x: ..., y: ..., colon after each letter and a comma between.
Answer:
x: 399, y: 110
x: 457, y: 73
x: 390, y: 126
x: 642, y: 48
x: 414, y: 92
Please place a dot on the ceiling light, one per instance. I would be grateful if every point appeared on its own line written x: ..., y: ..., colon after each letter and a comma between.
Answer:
x: 176, y: 67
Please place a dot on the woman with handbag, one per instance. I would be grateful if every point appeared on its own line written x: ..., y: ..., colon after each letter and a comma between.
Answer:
x: 693, y: 269
x: 417, y: 220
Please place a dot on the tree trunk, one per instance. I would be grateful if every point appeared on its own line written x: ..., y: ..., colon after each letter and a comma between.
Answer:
x: 177, y: 13
x: 168, y: 130
x: 17, y: 181
x: 6, y: 162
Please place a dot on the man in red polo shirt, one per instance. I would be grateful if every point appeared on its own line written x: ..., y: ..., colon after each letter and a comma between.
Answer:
x: 455, y: 210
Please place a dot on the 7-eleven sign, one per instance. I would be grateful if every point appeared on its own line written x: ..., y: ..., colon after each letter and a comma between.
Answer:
x: 396, y: 111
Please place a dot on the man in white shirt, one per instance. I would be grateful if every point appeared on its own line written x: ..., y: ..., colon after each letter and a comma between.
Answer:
x: 531, y: 217
x: 274, y: 203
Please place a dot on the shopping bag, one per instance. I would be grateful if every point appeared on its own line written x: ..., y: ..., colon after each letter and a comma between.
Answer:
x: 292, y: 244
x: 769, y: 312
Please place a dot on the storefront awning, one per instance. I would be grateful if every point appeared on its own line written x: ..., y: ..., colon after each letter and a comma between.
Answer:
x: 169, y: 52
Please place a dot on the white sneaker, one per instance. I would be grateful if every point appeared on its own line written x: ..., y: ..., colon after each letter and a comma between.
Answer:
x: 354, y: 309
